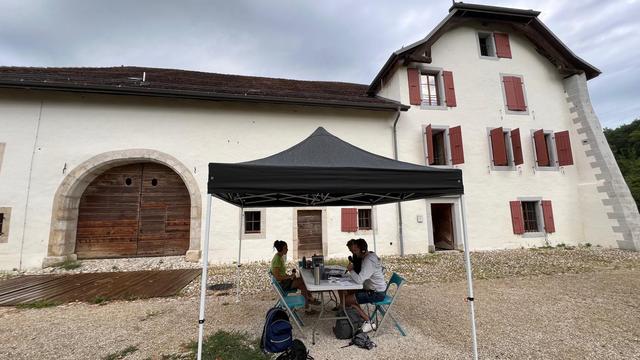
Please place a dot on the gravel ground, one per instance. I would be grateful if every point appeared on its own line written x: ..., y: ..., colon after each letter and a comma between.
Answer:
x: 531, y: 304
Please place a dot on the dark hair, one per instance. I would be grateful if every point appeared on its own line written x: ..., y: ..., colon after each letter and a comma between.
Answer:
x: 279, y: 245
x: 351, y: 242
x: 362, y: 245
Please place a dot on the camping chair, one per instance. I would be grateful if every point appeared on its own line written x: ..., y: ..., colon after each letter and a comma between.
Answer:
x: 384, y: 307
x: 289, y: 303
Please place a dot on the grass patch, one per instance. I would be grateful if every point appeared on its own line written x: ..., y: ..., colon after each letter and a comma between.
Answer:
x: 69, y: 264
x: 100, y: 300
x: 226, y: 345
x: 40, y: 304
x: 122, y: 353
x: 151, y: 314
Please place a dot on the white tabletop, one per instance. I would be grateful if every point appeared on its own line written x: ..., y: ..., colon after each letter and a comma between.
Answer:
x: 326, y: 285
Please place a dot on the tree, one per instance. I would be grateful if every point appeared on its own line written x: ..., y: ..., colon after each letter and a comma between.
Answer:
x: 625, y: 144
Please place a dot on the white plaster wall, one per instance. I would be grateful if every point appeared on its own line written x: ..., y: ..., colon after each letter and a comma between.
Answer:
x: 74, y: 128
x: 480, y: 105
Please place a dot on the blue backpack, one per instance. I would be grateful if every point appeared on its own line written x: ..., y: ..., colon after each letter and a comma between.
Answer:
x: 277, y: 335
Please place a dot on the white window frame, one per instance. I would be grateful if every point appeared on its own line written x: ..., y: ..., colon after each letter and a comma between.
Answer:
x: 492, y: 43
x: 509, y: 147
x: 504, y: 95
x: 551, y: 150
x: 263, y: 224
x: 438, y: 72
x: 447, y: 145
x: 6, y: 222
x: 539, y: 216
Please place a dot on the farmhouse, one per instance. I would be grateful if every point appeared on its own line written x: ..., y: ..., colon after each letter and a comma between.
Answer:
x: 112, y: 162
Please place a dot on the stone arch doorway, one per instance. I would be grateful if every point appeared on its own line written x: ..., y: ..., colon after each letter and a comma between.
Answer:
x: 140, y: 209
x: 66, y: 204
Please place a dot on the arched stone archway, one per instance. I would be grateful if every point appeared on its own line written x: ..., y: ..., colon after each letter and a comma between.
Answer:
x: 64, y: 218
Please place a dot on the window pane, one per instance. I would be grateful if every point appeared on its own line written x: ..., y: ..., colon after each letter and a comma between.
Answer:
x: 251, y: 222
x: 429, y: 89
x: 484, y: 51
x: 530, y: 216
x: 364, y: 219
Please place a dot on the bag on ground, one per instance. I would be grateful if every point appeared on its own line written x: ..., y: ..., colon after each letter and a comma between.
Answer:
x: 361, y: 340
x: 298, y: 351
x: 343, y: 330
x: 277, y: 334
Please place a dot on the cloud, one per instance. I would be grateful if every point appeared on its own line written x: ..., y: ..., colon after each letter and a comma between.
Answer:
x: 330, y: 40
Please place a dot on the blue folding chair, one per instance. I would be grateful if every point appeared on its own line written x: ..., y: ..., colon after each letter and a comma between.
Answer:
x: 289, y: 303
x: 384, y: 307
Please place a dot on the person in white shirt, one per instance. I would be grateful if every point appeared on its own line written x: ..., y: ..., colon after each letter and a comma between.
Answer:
x: 371, y: 277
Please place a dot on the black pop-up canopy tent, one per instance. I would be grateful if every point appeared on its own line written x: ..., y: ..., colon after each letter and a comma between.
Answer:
x: 324, y: 170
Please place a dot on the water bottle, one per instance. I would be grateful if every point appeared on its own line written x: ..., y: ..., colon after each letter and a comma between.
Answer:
x: 304, y: 262
x: 316, y: 275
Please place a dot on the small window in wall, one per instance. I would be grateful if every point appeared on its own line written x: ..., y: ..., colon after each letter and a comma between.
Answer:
x: 487, y: 45
x: 364, y: 219
x: 443, y: 145
x: 5, y: 216
x: 252, y: 222
x: 506, y: 149
x: 552, y: 149
x: 430, y: 88
x: 530, y: 216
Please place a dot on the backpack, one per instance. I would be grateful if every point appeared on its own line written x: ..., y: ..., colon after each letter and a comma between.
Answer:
x: 296, y: 352
x: 343, y: 330
x: 277, y: 334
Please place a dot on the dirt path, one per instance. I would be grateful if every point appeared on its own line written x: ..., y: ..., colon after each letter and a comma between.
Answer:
x: 593, y: 315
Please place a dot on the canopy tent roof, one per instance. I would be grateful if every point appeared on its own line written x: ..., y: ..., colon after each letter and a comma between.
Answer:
x: 324, y: 170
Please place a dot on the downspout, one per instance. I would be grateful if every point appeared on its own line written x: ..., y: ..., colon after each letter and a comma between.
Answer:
x: 395, y: 156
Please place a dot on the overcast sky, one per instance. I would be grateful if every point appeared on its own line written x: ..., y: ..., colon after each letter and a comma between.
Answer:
x: 316, y: 40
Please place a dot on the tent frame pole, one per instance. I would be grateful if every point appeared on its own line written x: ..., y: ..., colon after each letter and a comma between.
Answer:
x: 239, y: 254
x: 467, y: 258
x: 203, y: 277
x: 373, y: 230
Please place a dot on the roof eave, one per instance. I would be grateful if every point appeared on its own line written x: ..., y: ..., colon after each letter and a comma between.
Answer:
x: 199, y: 95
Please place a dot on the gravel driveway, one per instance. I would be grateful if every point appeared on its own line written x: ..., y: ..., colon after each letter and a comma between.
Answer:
x: 582, y: 309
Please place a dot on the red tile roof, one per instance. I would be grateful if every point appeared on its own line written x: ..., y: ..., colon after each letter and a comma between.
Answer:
x: 194, y: 84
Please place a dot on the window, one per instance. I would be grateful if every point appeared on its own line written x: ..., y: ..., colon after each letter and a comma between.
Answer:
x: 530, y: 216
x: 353, y: 219
x: 552, y: 149
x: 514, y: 96
x: 487, y: 45
x: 430, y: 89
x: 494, y: 45
x: 252, y: 223
x: 505, y: 148
x: 443, y: 145
x: 5, y: 218
x: 364, y: 219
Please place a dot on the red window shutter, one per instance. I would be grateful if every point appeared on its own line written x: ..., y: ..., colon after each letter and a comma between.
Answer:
x: 429, y: 135
x: 547, y: 214
x: 349, y: 220
x: 519, y: 92
x: 563, y: 147
x: 449, y: 90
x: 542, y: 155
x: 516, y: 217
x: 414, y: 86
x: 455, y: 140
x: 498, y: 148
x: 516, y: 146
x: 514, y: 93
x: 503, y: 49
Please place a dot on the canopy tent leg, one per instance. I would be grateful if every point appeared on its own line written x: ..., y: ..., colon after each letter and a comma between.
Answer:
x: 373, y: 229
x: 467, y: 259
x: 203, y: 277
x: 239, y: 255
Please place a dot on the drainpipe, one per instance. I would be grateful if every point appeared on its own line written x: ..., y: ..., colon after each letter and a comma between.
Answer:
x: 395, y: 156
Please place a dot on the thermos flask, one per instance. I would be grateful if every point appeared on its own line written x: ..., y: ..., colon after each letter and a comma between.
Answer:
x: 316, y: 275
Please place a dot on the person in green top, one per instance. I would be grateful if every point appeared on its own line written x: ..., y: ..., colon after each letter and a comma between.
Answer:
x: 288, y: 282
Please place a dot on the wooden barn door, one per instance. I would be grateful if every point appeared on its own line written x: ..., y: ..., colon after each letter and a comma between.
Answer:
x: 134, y: 210
x: 309, y: 233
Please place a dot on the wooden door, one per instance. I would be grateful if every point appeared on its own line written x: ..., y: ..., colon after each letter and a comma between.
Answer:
x: 309, y: 233
x: 442, y: 221
x: 134, y: 210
